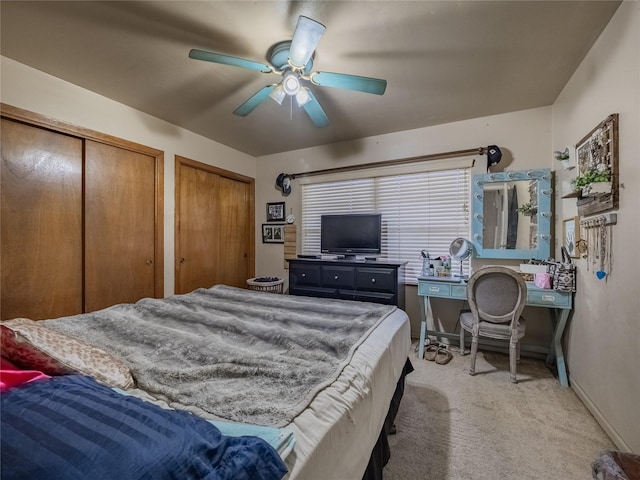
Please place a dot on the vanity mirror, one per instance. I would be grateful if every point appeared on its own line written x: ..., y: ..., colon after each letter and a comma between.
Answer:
x: 461, y: 249
x: 511, y: 214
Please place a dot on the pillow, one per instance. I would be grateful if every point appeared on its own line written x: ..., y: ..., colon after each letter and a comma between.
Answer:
x: 36, y: 347
x: 13, y: 376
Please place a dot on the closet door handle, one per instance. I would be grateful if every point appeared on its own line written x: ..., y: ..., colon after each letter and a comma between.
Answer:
x: 149, y: 262
x: 182, y: 260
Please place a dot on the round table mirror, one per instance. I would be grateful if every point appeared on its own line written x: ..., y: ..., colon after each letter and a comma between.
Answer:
x: 461, y: 249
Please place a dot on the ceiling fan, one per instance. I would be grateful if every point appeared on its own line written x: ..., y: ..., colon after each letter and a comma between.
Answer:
x: 293, y: 60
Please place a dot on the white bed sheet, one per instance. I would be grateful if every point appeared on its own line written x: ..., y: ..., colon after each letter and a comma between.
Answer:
x: 337, y: 432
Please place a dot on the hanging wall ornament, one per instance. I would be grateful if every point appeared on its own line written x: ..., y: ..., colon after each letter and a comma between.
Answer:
x: 284, y: 183
x: 582, y: 248
x: 494, y: 155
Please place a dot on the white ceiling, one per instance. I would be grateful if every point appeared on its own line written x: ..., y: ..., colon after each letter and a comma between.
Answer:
x: 444, y: 61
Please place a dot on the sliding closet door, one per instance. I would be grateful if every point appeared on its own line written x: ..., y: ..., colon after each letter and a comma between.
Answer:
x: 41, y: 222
x: 214, y: 227
x: 233, y: 198
x: 119, y: 226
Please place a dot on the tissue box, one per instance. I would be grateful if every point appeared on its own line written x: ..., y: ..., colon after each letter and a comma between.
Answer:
x: 533, y: 269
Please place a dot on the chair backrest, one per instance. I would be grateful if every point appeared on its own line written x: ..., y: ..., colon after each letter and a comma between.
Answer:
x: 498, y: 294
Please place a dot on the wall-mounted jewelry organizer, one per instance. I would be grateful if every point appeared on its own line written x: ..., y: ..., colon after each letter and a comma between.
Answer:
x: 597, y: 243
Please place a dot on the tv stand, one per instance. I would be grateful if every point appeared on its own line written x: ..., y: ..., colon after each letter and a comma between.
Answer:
x: 381, y: 281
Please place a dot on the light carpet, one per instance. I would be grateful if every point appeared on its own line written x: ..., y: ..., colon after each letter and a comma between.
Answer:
x: 452, y: 426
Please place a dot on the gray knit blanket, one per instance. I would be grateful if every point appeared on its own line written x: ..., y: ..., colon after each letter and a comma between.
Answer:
x: 231, y: 353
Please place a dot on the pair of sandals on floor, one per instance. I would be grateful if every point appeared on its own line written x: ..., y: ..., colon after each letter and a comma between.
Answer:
x: 437, y: 352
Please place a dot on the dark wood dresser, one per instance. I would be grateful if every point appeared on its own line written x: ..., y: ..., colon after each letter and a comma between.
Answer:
x: 379, y: 281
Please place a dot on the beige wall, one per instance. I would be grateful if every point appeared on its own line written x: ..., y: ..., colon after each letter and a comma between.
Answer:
x: 604, y: 337
x: 32, y: 90
x: 524, y: 138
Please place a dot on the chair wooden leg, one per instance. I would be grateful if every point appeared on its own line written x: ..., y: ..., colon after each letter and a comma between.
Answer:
x: 474, y: 352
x: 512, y: 360
x: 462, y: 351
x: 518, y: 352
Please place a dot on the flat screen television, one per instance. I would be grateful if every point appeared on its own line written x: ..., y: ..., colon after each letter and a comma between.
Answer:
x: 351, y: 234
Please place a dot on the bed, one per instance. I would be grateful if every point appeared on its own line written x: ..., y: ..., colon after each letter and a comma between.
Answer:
x: 304, y: 388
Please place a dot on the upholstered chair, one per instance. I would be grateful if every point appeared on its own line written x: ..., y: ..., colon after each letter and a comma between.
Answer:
x: 496, y: 295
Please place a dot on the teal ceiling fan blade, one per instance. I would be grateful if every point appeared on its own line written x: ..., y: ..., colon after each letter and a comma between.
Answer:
x: 305, y: 40
x: 249, y: 106
x: 315, y: 112
x: 228, y: 60
x: 349, y: 82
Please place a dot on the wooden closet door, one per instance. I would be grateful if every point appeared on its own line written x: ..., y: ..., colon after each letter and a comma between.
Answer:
x: 41, y: 222
x: 119, y: 226
x: 214, y: 227
x: 232, y: 266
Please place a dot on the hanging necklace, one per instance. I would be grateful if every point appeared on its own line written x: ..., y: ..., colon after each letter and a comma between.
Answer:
x: 594, y: 241
x: 610, y: 249
x: 602, y: 234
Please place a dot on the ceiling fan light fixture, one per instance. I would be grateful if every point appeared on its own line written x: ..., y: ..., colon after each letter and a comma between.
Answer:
x: 303, y: 97
x: 278, y: 94
x: 291, y: 83
x: 305, y: 40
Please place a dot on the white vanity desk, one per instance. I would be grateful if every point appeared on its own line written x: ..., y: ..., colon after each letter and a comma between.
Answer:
x: 559, y: 305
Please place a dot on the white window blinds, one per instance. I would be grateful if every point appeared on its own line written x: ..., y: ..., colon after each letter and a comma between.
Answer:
x: 420, y: 211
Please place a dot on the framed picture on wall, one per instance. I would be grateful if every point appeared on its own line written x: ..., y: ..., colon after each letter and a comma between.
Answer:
x: 571, y: 235
x: 272, y: 233
x: 275, y: 212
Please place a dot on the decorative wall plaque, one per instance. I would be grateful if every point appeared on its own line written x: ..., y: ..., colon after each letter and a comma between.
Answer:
x: 597, y: 158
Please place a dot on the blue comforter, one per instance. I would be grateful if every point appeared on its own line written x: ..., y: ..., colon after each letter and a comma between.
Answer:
x: 72, y: 427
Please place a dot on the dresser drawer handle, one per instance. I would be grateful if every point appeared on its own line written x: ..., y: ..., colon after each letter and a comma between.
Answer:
x: 336, y: 277
x: 304, y: 275
x: 434, y: 289
x: 549, y: 298
x: 373, y: 280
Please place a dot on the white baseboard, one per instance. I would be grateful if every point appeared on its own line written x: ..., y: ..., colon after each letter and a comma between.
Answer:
x: 600, y: 418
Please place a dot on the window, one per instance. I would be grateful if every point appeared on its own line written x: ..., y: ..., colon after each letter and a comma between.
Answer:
x: 420, y: 211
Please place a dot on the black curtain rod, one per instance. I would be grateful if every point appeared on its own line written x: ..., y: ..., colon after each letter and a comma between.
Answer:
x: 401, y: 161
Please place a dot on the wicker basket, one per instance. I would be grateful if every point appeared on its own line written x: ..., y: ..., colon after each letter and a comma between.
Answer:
x: 271, y: 287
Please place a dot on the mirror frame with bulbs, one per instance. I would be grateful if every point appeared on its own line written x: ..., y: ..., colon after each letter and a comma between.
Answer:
x: 543, y: 178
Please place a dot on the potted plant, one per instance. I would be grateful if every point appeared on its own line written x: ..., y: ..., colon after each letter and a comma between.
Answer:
x: 528, y: 209
x: 593, y: 181
x: 564, y: 156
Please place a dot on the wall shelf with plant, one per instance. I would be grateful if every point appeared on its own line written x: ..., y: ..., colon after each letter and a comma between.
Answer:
x: 595, y: 181
x: 567, y: 157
